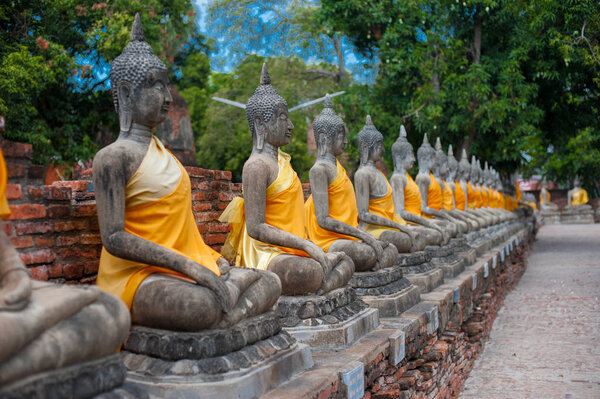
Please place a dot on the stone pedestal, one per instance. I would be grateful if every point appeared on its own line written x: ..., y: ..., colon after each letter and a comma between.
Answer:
x: 464, y: 251
x: 445, y: 258
x: 83, y: 380
x: 332, y: 321
x: 577, y: 215
x: 386, y: 290
x: 244, y: 361
x: 550, y: 216
x: 420, y: 271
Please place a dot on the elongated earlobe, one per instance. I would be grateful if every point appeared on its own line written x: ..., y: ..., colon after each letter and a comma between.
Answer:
x: 260, y: 133
x: 323, y: 145
x: 124, y: 93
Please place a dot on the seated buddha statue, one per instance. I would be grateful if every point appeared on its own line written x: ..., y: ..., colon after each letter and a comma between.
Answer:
x: 376, y: 212
x: 458, y: 195
x: 269, y: 223
x: 153, y: 257
x: 431, y: 192
x: 545, y: 202
x: 492, y: 196
x: 47, y: 326
x: 331, y: 210
x: 440, y: 172
x: 407, y: 197
x: 578, y: 197
x: 466, y: 189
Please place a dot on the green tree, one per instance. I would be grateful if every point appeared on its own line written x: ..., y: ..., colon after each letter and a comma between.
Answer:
x: 54, y: 66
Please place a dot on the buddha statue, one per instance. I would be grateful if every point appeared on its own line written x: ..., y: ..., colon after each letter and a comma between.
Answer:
x: 464, y: 188
x: 331, y: 210
x: 431, y: 192
x: 374, y: 198
x: 545, y: 203
x: 577, y: 196
x: 491, y: 201
x: 406, y: 194
x: 153, y: 256
x: 269, y: 223
x: 47, y: 327
x: 458, y: 195
x: 440, y: 172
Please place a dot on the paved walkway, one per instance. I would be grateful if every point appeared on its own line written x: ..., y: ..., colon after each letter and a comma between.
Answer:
x: 545, y: 342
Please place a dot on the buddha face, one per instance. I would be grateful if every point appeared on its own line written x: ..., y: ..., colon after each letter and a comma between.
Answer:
x: 442, y: 164
x: 376, y: 151
x: 278, y: 130
x: 152, y: 99
x: 339, y: 141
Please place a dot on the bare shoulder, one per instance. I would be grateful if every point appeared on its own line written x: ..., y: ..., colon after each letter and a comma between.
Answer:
x: 422, y: 178
x: 398, y: 179
x: 119, y: 157
x: 321, y: 168
x: 257, y: 166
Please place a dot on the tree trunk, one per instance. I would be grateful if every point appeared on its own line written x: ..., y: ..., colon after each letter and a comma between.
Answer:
x: 476, y: 59
x: 337, y: 44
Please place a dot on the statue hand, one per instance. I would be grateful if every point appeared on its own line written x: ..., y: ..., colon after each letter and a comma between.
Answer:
x: 318, y: 254
x: 210, y: 280
x: 224, y: 265
x: 377, y: 247
x: 16, y: 289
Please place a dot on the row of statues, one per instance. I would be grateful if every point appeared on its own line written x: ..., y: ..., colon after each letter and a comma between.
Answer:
x: 156, y: 262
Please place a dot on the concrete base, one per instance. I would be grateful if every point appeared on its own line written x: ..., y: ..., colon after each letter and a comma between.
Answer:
x: 452, y: 265
x: 246, y: 383
x: 550, y: 217
x: 394, y: 304
x: 581, y: 217
x: 337, y: 336
x: 427, y: 281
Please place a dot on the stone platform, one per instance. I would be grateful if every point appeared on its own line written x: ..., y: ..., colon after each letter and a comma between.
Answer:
x: 83, y: 380
x: 334, y: 320
x: 420, y: 271
x: 577, y: 216
x: 386, y: 290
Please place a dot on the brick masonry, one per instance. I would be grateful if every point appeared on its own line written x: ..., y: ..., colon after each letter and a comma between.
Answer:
x: 55, y: 227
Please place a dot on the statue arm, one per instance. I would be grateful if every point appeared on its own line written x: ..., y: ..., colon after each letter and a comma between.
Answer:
x: 398, y: 183
x: 15, y: 286
x: 319, y: 185
x: 110, y: 181
x: 423, y: 183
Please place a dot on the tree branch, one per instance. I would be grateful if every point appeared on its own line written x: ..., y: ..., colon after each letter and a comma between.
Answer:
x: 414, y: 112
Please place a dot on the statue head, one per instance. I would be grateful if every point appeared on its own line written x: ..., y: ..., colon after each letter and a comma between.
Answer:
x: 441, y: 160
x: 139, y: 83
x: 464, y: 169
x: 370, y: 143
x: 426, y: 156
x: 577, y: 182
x: 267, y: 115
x: 474, y: 170
x: 544, y: 183
x: 452, y: 164
x: 402, y: 152
x: 329, y: 129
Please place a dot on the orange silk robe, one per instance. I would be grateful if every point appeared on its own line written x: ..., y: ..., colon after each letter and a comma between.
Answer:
x: 157, y: 208
x: 383, y: 207
x: 434, y: 195
x: 485, y: 197
x: 471, y: 196
x: 459, y: 196
x: 342, y: 207
x: 447, y: 197
x: 4, y: 209
x: 412, y: 197
x: 579, y: 197
x: 284, y: 209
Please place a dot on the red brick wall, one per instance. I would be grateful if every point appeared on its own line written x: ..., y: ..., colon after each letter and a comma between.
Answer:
x: 55, y: 228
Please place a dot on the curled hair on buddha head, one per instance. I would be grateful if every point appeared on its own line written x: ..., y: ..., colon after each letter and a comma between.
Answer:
x: 326, y: 124
x: 134, y: 63
x: 401, y: 147
x: 440, y: 155
x: 264, y: 101
x: 452, y: 164
x: 425, y: 153
x: 367, y: 138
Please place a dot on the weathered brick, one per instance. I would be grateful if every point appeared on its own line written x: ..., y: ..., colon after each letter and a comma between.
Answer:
x: 14, y: 191
x: 8, y: 228
x: 12, y: 149
x: 76, y: 185
x: 84, y: 210
x: 44, y: 241
x: 54, y: 193
x: 222, y: 206
x: 38, y: 256
x: 198, y: 196
x: 207, y: 216
x: 56, y: 211
x: 27, y: 211
x: 69, y: 226
x: 195, y: 172
x: 78, y: 252
x: 55, y: 270
x: 212, y: 239
x: 91, y: 239
x: 202, y: 207
x: 22, y: 242
x: 73, y: 270
x: 14, y: 170
x: 91, y: 267
x: 223, y: 175
x: 218, y: 228
x: 64, y: 241
x: 39, y: 273
x: 202, y: 228
x: 219, y: 186
x: 35, y: 193
x: 33, y: 228
x: 225, y: 196
x: 36, y: 171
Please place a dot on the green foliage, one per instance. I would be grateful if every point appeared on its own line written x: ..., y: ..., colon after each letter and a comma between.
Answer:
x: 226, y: 142
x: 54, y: 65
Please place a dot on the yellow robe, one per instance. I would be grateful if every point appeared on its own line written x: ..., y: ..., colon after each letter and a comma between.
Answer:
x: 434, y: 195
x: 4, y: 209
x: 471, y: 196
x: 517, y: 192
x: 157, y: 208
x: 342, y: 207
x: 459, y: 196
x: 383, y: 207
x: 580, y: 197
x: 412, y: 197
x: 447, y: 200
x: 478, y: 196
x: 545, y: 200
x: 284, y: 209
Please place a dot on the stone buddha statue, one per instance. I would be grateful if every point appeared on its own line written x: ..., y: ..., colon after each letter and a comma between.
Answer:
x: 577, y: 196
x: 431, y: 192
x: 492, y: 201
x: 46, y: 328
x: 153, y: 257
x: 466, y: 190
x: 376, y: 211
x: 270, y: 231
x: 457, y: 192
x: 331, y: 210
x: 407, y: 197
x: 545, y: 202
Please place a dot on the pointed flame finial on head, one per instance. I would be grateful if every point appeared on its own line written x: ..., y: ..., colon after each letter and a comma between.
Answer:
x: 368, y: 121
x: 137, y: 32
x: 464, y: 155
x: 425, y: 139
x: 402, y: 132
x: 438, y: 144
x: 473, y: 161
x: 327, y: 103
x: 265, y: 79
x: 450, y: 151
